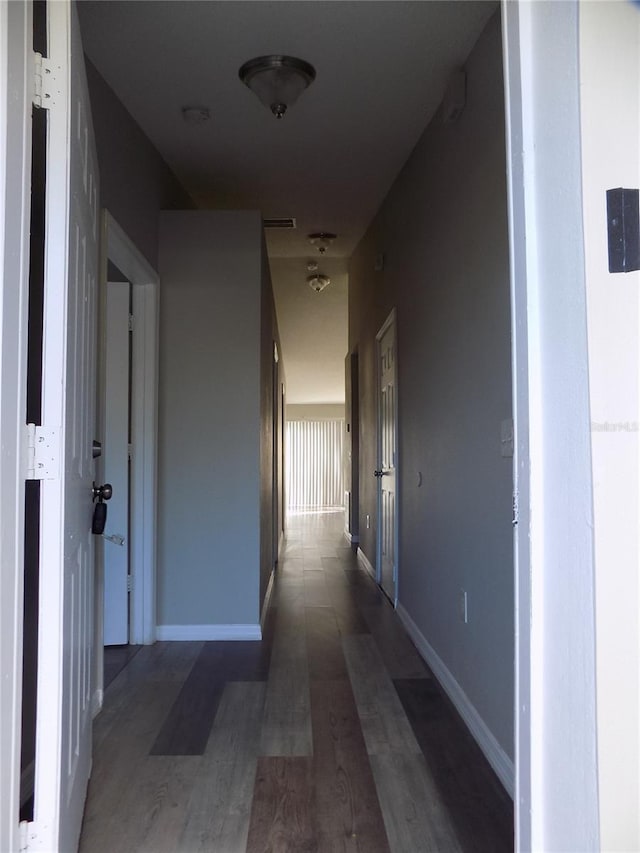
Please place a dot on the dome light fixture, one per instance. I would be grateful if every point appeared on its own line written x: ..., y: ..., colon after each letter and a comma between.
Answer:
x: 277, y: 81
x: 318, y: 282
x: 322, y: 240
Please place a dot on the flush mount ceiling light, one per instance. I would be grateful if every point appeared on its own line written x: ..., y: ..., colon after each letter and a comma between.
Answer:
x: 278, y: 81
x: 322, y: 240
x: 318, y: 282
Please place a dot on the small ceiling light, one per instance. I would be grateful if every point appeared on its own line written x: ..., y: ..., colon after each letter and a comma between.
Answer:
x: 312, y: 266
x: 278, y: 81
x: 196, y: 115
x: 322, y: 239
x: 318, y: 282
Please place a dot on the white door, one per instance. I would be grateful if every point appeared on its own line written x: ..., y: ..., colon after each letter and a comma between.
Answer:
x: 116, y: 465
x: 69, y: 395
x: 387, y: 453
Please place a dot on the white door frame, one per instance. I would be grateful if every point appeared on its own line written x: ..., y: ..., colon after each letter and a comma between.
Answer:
x: 121, y: 251
x: 115, y: 462
x: 15, y: 183
x: 390, y: 321
x: 556, y: 795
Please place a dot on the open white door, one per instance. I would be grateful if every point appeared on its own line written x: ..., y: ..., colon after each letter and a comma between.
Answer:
x: 116, y: 465
x: 68, y: 408
x: 387, y: 452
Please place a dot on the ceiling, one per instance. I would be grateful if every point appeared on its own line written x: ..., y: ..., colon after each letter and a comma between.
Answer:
x: 381, y: 70
x: 314, y: 327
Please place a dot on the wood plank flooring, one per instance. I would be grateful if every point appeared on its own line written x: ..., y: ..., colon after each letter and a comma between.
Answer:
x: 328, y: 736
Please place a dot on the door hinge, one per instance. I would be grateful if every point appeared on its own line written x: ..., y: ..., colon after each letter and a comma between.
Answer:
x: 43, y: 81
x: 129, y: 583
x: 130, y: 451
x: 515, y: 509
x: 131, y: 322
x: 43, y: 453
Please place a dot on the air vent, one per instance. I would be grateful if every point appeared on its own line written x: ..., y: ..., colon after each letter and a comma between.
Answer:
x: 282, y: 222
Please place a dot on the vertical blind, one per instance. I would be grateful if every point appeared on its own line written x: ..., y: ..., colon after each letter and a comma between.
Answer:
x: 314, y: 464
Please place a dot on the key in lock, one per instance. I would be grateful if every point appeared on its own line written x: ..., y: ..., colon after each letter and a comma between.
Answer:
x: 100, y: 495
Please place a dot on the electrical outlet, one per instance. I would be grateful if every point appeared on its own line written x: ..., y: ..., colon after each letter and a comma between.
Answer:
x: 464, y: 612
x: 368, y: 521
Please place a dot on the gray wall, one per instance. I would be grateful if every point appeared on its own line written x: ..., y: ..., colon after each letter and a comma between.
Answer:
x: 443, y: 230
x: 209, y: 418
x: 135, y: 182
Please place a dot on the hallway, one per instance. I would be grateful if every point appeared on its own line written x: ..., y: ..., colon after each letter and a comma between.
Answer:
x: 329, y: 735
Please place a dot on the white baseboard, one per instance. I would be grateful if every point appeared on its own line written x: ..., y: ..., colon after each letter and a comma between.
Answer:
x: 267, y: 599
x: 494, y: 753
x: 208, y: 632
x: 362, y: 557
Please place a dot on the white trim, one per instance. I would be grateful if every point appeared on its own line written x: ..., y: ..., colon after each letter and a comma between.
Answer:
x: 208, y: 632
x: 126, y: 255
x: 494, y: 753
x: 556, y: 802
x: 522, y: 313
x: 391, y: 321
x: 46, y: 828
x: 145, y: 283
x: 15, y: 184
x: 362, y: 558
x: 267, y: 599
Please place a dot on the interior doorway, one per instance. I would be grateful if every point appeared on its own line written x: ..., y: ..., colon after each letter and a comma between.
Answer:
x: 387, y: 533
x: 117, y: 442
x: 128, y: 416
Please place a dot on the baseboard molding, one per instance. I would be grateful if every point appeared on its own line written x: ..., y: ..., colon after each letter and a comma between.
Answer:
x: 494, y: 753
x: 351, y: 538
x: 362, y: 557
x: 267, y: 599
x: 208, y: 632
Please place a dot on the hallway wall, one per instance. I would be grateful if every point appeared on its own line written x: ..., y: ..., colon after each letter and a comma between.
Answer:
x: 135, y: 182
x: 443, y: 233
x: 210, y: 426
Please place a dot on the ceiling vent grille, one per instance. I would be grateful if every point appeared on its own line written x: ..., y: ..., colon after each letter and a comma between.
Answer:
x: 280, y: 222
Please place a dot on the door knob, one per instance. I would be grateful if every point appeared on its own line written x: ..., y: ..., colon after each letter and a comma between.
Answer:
x: 102, y: 493
x: 378, y: 473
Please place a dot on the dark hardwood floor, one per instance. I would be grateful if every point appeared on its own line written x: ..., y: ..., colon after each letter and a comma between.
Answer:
x: 115, y: 660
x: 328, y: 736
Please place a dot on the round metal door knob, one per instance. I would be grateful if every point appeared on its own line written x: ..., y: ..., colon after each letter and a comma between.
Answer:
x: 102, y: 493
